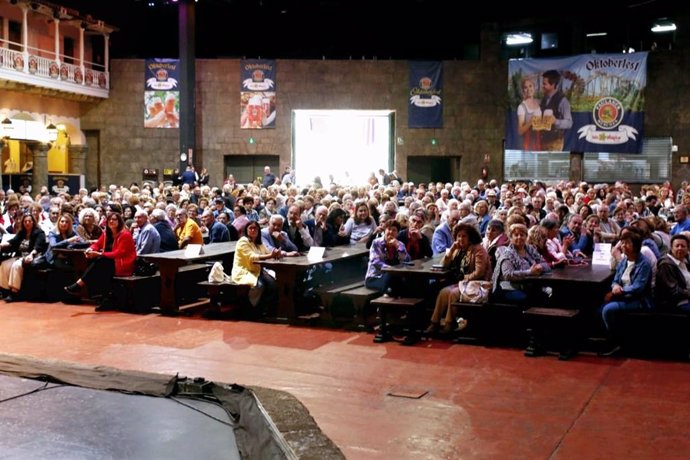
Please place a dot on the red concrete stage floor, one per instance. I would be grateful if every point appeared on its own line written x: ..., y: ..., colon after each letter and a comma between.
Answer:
x: 435, y: 400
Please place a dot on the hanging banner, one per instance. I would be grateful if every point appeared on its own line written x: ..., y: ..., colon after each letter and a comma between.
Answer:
x: 587, y: 103
x: 257, y: 94
x: 161, y: 93
x: 426, y: 95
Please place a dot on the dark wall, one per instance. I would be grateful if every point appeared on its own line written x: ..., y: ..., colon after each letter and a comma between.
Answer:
x: 474, y: 106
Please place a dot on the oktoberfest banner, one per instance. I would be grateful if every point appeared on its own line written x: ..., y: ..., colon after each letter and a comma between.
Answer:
x: 426, y: 95
x: 587, y: 103
x: 161, y: 94
x: 257, y: 94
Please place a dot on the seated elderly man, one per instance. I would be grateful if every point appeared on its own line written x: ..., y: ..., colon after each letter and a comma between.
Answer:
x: 673, y: 277
x: 168, y: 240
x: 217, y: 232
x: 300, y: 232
x: 274, y: 236
x: 187, y: 231
x: 416, y: 243
x: 443, y: 235
x: 147, y: 240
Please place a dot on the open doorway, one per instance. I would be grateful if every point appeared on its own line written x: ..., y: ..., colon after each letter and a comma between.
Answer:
x: 248, y: 168
x: 433, y: 168
x: 347, y: 144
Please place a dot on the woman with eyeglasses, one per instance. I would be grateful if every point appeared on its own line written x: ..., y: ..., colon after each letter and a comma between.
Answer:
x: 112, y: 255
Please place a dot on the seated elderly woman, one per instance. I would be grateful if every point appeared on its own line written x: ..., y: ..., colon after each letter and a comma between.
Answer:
x: 88, y: 228
x: 112, y: 255
x: 673, y: 277
x: 468, y: 260
x: 514, y: 263
x: 631, y: 288
x: 28, y: 243
x: 385, y: 252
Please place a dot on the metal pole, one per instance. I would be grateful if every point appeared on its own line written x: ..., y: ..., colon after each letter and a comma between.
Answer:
x: 187, y: 19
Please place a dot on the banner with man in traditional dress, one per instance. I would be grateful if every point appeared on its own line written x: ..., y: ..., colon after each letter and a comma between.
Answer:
x: 257, y: 94
x: 425, y: 109
x: 586, y: 103
x: 161, y: 94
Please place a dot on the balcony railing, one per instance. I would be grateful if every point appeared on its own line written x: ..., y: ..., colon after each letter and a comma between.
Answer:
x: 33, y: 68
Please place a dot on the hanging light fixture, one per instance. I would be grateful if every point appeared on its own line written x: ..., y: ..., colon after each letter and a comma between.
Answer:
x: 518, y: 38
x: 663, y: 25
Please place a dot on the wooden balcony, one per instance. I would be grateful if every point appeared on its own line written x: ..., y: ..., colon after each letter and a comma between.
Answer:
x: 41, y: 75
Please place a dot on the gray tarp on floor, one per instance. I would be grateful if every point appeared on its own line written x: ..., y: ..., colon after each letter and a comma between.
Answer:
x: 266, y: 423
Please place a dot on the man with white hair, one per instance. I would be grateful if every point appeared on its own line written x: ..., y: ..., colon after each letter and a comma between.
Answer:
x: 147, y: 240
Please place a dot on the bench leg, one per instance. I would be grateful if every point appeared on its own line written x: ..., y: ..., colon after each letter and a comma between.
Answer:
x: 383, y: 334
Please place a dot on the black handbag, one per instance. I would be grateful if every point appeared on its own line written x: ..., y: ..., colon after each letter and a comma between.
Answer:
x: 39, y: 262
x: 144, y: 268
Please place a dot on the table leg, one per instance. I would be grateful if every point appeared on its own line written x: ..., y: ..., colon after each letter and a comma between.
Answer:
x: 168, y: 273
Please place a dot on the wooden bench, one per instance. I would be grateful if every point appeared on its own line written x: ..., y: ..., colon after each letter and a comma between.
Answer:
x: 225, y: 297
x: 655, y: 332
x: 139, y: 294
x: 558, y: 327
x: 491, y: 322
x: 327, y: 294
x: 410, y: 308
x: 358, y: 299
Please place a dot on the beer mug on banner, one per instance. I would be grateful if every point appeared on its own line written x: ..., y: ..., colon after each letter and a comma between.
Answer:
x: 548, y: 118
x: 255, y: 111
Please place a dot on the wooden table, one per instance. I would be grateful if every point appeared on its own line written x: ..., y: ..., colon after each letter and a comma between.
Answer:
x: 576, y: 286
x: 170, y: 262
x: 421, y: 268
x: 290, y: 271
x: 419, y: 292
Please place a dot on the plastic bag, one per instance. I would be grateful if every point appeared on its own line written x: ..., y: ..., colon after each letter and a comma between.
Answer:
x: 217, y: 274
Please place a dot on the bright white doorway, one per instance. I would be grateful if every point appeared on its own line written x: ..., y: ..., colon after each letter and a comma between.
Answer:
x: 348, y: 144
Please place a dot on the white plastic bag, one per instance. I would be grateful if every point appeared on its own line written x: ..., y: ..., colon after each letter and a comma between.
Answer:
x: 217, y: 274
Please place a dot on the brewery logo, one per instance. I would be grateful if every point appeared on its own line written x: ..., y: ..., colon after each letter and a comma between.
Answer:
x: 162, y: 75
x: 425, y: 83
x: 101, y: 80
x: 89, y: 77
x: 64, y: 72
x: 258, y: 75
x: 607, y: 113
x: 78, y: 76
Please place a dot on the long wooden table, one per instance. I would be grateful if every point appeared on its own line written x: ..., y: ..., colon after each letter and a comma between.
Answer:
x: 576, y: 286
x: 290, y: 271
x: 170, y: 262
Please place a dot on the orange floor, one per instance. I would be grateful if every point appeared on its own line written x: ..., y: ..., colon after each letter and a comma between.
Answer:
x: 482, y: 402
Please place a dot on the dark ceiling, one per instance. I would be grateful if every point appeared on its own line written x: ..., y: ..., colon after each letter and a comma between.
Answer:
x: 382, y: 29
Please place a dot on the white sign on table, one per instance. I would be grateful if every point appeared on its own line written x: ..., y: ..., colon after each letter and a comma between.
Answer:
x: 601, y: 254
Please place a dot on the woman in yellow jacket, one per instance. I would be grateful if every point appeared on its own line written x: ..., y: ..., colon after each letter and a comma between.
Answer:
x: 246, y: 270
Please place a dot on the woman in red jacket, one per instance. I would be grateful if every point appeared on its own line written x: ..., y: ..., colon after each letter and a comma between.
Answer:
x: 112, y: 255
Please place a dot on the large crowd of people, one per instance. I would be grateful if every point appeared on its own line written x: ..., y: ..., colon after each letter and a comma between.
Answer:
x: 485, y: 230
